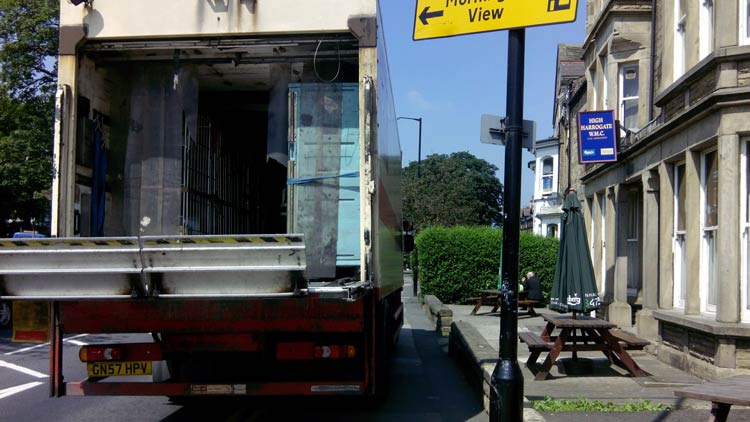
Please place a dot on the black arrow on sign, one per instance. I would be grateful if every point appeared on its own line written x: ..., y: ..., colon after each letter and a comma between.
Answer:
x: 427, y: 15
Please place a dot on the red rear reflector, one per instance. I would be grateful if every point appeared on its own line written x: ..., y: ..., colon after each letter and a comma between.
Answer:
x: 22, y: 336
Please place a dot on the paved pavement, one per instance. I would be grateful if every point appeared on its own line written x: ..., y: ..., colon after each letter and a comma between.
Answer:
x: 607, y: 383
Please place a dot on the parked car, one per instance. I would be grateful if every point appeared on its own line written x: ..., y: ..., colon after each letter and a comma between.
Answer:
x: 26, y: 235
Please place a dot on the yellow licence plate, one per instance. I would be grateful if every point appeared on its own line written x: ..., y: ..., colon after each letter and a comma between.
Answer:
x: 116, y: 369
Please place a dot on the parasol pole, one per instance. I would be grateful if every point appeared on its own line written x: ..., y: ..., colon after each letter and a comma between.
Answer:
x: 575, y: 339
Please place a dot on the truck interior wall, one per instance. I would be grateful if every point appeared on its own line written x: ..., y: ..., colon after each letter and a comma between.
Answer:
x: 135, y: 108
x: 96, y: 105
x: 163, y: 107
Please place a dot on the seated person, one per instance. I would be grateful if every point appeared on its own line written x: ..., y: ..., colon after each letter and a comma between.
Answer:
x: 533, y: 286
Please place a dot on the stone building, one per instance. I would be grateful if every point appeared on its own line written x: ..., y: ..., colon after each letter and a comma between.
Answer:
x: 570, y: 98
x: 552, y: 156
x: 670, y: 220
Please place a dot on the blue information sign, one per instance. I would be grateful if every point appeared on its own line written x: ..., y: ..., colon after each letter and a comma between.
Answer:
x: 597, y: 136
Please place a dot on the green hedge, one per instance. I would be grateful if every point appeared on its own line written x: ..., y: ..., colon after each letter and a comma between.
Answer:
x: 456, y: 262
x: 539, y: 254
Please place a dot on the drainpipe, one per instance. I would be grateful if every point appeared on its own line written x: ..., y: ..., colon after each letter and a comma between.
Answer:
x: 568, y: 97
x: 653, y: 62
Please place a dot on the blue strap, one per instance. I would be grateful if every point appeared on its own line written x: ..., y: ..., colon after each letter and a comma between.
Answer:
x: 303, y: 180
x: 99, y: 188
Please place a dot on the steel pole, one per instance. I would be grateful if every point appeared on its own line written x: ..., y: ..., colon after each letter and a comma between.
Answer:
x: 506, y: 393
x: 415, y: 279
x: 419, y: 151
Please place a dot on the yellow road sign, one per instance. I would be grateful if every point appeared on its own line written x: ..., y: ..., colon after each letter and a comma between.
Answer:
x: 446, y: 18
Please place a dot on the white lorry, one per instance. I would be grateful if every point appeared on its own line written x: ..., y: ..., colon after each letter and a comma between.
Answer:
x: 228, y: 180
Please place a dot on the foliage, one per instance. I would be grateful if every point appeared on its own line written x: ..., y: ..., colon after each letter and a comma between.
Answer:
x: 456, y: 262
x: 586, y: 405
x: 539, y: 254
x: 28, y: 69
x: 29, y: 38
x: 453, y: 190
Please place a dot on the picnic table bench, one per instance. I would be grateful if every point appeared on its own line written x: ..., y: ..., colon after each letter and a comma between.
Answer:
x: 492, y: 297
x: 528, y: 304
x: 579, y: 335
x: 722, y: 395
x: 536, y: 342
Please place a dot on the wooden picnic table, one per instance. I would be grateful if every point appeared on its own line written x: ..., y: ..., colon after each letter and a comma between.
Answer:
x: 486, y: 297
x: 722, y: 395
x: 489, y: 297
x: 579, y: 334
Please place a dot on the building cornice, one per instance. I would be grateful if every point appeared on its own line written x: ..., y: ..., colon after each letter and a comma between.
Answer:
x: 705, y: 324
x: 704, y: 67
x: 721, y: 98
x: 614, y: 9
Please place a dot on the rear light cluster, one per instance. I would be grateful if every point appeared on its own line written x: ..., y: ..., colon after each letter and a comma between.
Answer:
x: 334, y: 352
x: 99, y: 354
x: 309, y: 351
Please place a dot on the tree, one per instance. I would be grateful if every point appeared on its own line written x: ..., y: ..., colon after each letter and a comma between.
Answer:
x: 456, y: 189
x: 29, y: 37
x: 28, y: 73
x: 25, y: 161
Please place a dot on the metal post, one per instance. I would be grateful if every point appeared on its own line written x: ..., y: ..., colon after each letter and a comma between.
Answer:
x: 415, y: 280
x: 415, y: 273
x: 419, y: 151
x: 506, y: 395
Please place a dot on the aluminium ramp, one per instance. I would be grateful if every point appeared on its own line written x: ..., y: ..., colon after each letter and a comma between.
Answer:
x: 152, y: 266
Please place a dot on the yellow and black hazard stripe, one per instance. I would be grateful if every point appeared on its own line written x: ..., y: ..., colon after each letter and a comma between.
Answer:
x: 150, y: 241
x: 212, y: 240
x: 67, y: 242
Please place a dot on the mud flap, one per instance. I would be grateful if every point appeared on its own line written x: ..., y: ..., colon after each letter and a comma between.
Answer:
x: 30, y: 322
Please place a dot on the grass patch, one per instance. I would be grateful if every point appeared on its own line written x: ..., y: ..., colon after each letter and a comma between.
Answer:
x: 586, y: 405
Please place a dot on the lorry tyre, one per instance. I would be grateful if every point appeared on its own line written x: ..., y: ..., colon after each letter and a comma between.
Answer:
x: 5, y: 314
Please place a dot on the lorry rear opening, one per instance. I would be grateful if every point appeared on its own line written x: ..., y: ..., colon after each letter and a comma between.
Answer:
x: 206, y: 137
x: 205, y: 168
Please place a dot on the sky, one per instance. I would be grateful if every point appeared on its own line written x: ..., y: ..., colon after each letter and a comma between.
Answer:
x: 451, y: 82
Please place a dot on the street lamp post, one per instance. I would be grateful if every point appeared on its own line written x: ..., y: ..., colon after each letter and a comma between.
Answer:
x: 415, y: 278
x: 506, y: 391
x: 419, y: 148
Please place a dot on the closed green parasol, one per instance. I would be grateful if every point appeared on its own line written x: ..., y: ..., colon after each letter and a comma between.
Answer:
x: 574, y: 287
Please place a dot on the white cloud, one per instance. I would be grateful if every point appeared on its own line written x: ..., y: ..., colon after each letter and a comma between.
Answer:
x: 416, y: 99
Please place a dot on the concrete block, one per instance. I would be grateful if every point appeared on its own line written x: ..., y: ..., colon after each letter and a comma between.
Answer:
x: 646, y: 325
x: 441, y: 315
x: 620, y: 313
x: 742, y: 354
x: 726, y: 354
x: 694, y: 365
x: 671, y: 357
